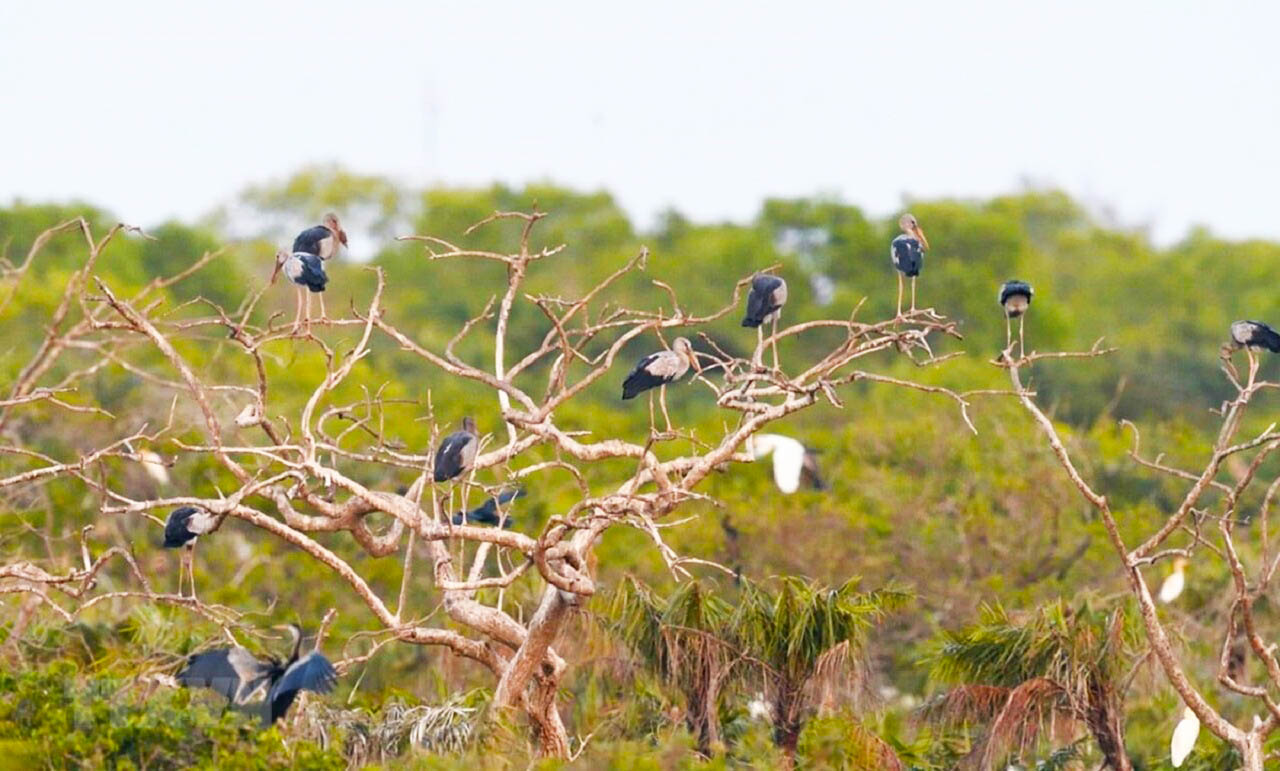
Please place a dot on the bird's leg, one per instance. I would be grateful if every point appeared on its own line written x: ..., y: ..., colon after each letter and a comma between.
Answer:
x: 297, y: 317
x: 308, y: 320
x: 652, y: 430
x: 662, y: 400
x: 899, y: 295
x: 188, y: 557
x: 913, y: 294
x: 757, y: 359
x: 1022, y: 342
x: 1008, y: 333
x: 773, y: 339
x: 1253, y: 364
x: 323, y: 315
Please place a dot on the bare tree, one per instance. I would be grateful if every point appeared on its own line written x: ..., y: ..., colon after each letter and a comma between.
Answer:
x: 1206, y: 500
x: 301, y: 475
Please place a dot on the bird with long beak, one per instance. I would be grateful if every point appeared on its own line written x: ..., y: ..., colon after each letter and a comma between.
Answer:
x: 323, y: 241
x: 907, y: 254
x: 658, y: 369
x: 304, y: 270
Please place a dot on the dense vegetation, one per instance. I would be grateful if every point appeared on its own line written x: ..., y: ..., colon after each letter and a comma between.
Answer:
x: 1000, y: 578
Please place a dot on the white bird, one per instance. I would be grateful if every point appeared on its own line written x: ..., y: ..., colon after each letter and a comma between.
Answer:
x: 791, y: 460
x: 758, y: 708
x: 153, y: 464
x: 1184, y: 737
x: 1175, y: 582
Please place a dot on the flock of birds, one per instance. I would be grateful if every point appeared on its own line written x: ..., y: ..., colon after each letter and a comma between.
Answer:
x: 240, y: 677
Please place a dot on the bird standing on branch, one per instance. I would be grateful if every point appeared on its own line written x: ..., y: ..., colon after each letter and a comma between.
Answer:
x: 239, y: 676
x: 457, y: 453
x: 323, y: 241
x: 658, y: 369
x: 181, y: 530
x: 907, y: 253
x: 1251, y: 336
x: 487, y: 513
x: 1015, y: 298
x: 304, y: 270
x: 764, y: 304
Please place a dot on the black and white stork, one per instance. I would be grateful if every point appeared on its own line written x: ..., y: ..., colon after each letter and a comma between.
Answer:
x: 764, y: 304
x: 240, y: 676
x: 457, y: 453
x: 1015, y: 298
x: 181, y: 530
x: 323, y: 241
x: 1251, y: 336
x: 488, y: 513
x: 305, y: 270
x: 658, y: 369
x: 907, y: 253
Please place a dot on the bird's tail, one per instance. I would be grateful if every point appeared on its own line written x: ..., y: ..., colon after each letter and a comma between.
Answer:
x: 1271, y: 340
x: 752, y: 321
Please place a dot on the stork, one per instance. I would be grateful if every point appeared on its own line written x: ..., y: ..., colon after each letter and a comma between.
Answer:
x: 457, y: 453
x: 239, y: 675
x: 907, y: 254
x: 323, y: 241
x: 181, y: 530
x: 792, y: 461
x: 764, y: 304
x: 1251, y: 336
x: 1175, y: 582
x: 658, y: 369
x: 154, y: 465
x: 1015, y: 298
x: 306, y: 271
x: 1184, y: 738
x: 488, y: 513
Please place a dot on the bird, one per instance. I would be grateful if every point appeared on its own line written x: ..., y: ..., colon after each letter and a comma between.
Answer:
x: 907, y: 253
x: 181, y: 529
x: 1251, y: 335
x: 457, y: 452
x: 1184, y: 737
x: 154, y: 466
x: 249, y: 416
x: 239, y: 675
x: 323, y: 241
x: 305, y: 270
x: 1175, y: 582
x: 764, y: 304
x: 1015, y: 298
x: 487, y: 513
x: 658, y: 369
x: 791, y: 461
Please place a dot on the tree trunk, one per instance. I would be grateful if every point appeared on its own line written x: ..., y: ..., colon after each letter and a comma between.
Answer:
x: 1107, y: 725
x: 703, y: 718
x: 1251, y: 753
x: 553, y: 739
x: 787, y: 724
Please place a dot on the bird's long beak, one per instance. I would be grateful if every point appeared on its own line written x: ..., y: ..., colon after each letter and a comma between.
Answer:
x: 920, y: 236
x: 275, y: 273
x: 342, y: 236
x: 693, y: 360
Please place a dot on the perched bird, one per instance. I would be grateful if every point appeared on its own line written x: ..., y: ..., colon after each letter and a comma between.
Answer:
x: 791, y: 461
x: 487, y: 513
x: 1175, y: 582
x: 907, y: 253
x: 322, y: 240
x: 239, y: 675
x: 155, y: 467
x: 1015, y: 298
x: 181, y: 529
x: 658, y: 369
x: 1254, y: 335
x: 1184, y: 738
x: 305, y: 270
x: 764, y: 304
x: 457, y: 452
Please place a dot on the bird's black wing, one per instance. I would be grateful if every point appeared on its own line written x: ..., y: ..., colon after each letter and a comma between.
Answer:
x: 312, y: 672
x: 907, y: 255
x: 232, y: 672
x: 1264, y: 336
x: 487, y: 513
x: 175, y: 527
x: 312, y: 276
x: 451, y: 457
x: 809, y: 470
x: 309, y: 240
x: 761, y: 300
x: 1014, y: 287
x: 641, y: 379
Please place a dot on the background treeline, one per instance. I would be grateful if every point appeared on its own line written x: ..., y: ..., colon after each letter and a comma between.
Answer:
x: 983, y: 530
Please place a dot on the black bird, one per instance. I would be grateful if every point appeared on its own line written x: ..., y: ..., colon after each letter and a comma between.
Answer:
x: 907, y: 253
x: 239, y: 675
x: 181, y: 529
x: 658, y: 369
x: 1015, y: 298
x: 764, y: 304
x: 487, y: 513
x: 304, y: 270
x: 1254, y: 334
x: 322, y: 240
x: 457, y: 452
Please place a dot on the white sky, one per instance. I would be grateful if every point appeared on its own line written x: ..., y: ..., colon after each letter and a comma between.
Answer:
x: 1169, y: 112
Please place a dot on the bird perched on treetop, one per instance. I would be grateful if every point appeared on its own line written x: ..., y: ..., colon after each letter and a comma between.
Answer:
x: 457, y: 452
x: 907, y: 253
x: 764, y: 304
x: 305, y: 270
x: 1015, y: 298
x: 658, y: 369
x: 181, y: 529
x: 238, y: 675
x: 1254, y: 334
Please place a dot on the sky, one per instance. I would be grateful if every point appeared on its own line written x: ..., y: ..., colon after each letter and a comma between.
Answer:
x: 1157, y: 115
